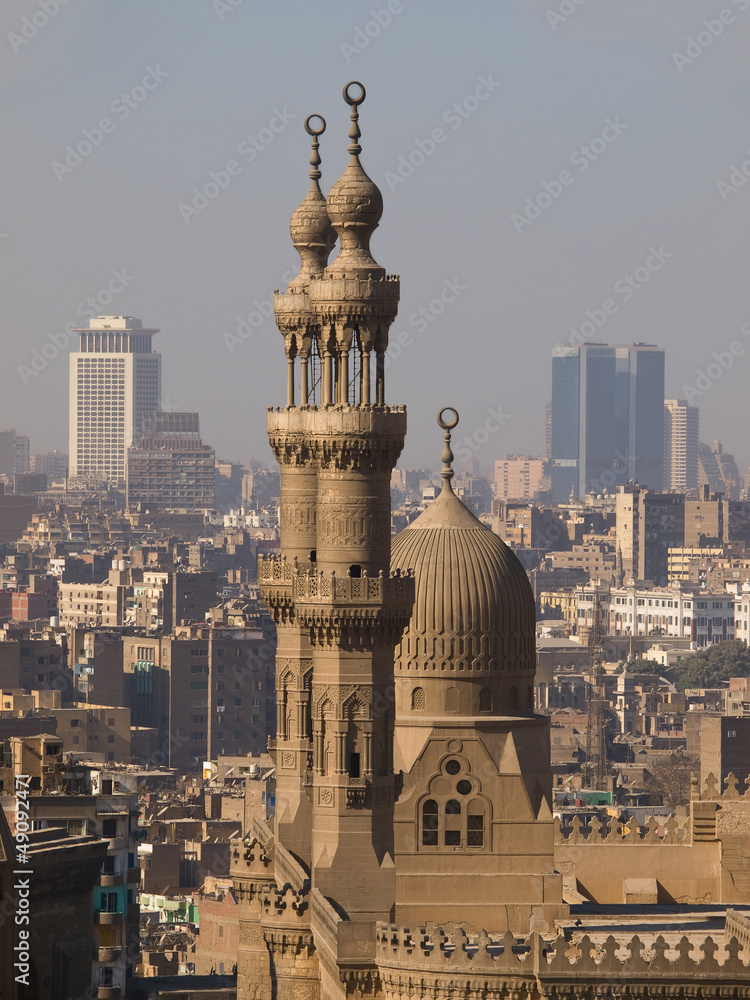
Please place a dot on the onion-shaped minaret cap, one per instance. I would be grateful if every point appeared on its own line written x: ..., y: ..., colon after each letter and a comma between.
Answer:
x: 355, y: 203
x: 310, y: 227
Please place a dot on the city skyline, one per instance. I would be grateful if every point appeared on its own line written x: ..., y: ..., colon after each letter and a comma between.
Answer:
x: 586, y: 140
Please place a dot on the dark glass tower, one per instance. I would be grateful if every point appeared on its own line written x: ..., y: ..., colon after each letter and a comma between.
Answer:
x: 607, y: 424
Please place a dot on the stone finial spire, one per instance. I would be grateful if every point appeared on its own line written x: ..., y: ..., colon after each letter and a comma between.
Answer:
x: 447, y: 457
x: 355, y: 203
x: 310, y: 227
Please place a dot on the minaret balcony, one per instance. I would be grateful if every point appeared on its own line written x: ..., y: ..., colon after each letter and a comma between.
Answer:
x: 361, y: 591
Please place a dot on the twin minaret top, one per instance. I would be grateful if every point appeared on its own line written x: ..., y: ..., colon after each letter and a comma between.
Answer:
x: 335, y: 317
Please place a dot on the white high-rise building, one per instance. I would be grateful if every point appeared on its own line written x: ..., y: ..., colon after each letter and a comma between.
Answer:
x: 114, y: 379
x: 681, y: 435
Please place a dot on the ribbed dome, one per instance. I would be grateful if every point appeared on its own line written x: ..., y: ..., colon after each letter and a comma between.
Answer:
x: 474, y: 607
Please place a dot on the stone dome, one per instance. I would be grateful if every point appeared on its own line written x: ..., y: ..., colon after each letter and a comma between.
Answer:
x: 312, y: 233
x: 474, y: 614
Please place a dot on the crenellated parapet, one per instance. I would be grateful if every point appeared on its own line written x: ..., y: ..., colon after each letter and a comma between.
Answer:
x: 712, y: 791
x: 645, y: 968
x: 480, y: 964
x: 612, y: 831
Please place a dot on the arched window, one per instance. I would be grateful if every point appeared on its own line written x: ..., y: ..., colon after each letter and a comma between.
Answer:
x: 475, y: 824
x: 513, y: 699
x: 451, y: 699
x: 418, y: 700
x: 531, y: 698
x: 430, y: 823
x: 485, y: 700
x: 452, y: 833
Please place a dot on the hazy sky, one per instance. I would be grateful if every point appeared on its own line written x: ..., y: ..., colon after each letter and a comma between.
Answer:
x: 659, y: 99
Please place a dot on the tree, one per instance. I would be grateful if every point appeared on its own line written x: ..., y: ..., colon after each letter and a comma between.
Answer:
x: 713, y: 667
x: 643, y: 667
x: 668, y: 778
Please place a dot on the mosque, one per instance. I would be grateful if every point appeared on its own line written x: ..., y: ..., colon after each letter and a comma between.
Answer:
x: 412, y: 851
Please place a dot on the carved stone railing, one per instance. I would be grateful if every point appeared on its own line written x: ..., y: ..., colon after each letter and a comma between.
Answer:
x: 738, y: 926
x: 454, y: 950
x: 331, y: 589
x: 276, y: 569
x: 612, y: 831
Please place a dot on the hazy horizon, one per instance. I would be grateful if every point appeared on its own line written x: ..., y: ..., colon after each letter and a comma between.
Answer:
x: 537, y: 160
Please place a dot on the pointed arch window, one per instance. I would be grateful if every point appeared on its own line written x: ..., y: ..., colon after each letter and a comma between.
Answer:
x: 485, y: 700
x: 451, y: 699
x: 418, y: 700
x: 430, y: 822
x: 475, y: 824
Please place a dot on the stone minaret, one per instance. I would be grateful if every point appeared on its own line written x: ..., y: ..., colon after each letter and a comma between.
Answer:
x: 338, y: 611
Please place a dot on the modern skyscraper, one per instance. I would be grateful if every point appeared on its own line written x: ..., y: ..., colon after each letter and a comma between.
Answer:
x: 115, y: 378
x: 681, y: 437
x: 607, y: 423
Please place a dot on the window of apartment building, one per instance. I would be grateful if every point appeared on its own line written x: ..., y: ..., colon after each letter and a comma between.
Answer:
x: 106, y: 975
x: 110, y: 739
x: 731, y: 734
x: 198, y: 668
x: 220, y: 652
x: 220, y: 685
x: 109, y: 827
x: 75, y: 723
x: 198, y: 685
x: 237, y: 734
x: 110, y: 722
x: 220, y: 735
x: 238, y: 702
x: 255, y: 734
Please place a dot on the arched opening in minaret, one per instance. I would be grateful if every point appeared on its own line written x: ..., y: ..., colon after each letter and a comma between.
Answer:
x: 316, y: 370
x: 451, y: 699
x: 513, y: 699
x: 355, y: 570
x: 418, y: 700
x: 313, y: 555
x: 485, y: 700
